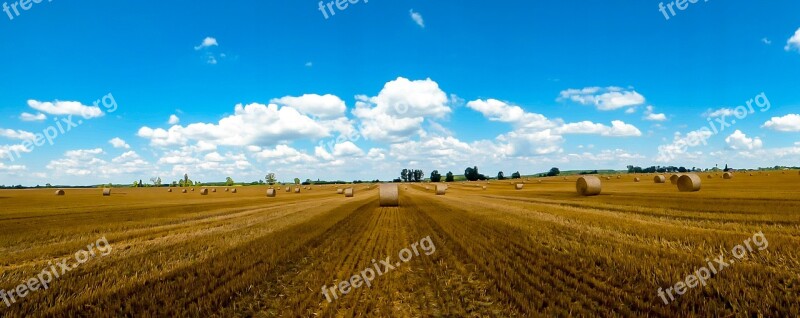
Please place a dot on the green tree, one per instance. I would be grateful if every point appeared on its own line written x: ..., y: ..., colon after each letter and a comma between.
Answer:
x: 554, y: 172
x: 449, y: 177
x: 435, y: 176
x: 229, y: 181
x: 135, y: 184
x: 271, y: 178
x: 501, y: 176
x: 296, y: 181
x: 516, y: 175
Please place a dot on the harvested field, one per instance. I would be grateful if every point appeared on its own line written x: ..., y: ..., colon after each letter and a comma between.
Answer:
x: 540, y: 251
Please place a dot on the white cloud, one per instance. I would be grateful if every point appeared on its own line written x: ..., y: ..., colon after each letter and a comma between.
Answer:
x: 17, y: 134
x: 417, y: 18
x: 788, y: 123
x: 119, y: 143
x: 86, y: 162
x: 496, y: 110
x: 722, y: 112
x: 283, y: 154
x: 32, y: 117
x: 12, y: 152
x: 347, y: 149
x: 66, y: 108
x: 309, y: 64
x: 400, y: 108
x: 320, y: 106
x: 618, y: 128
x: 605, y: 99
x: 680, y: 146
x: 766, y: 41
x: 12, y: 168
x: 794, y: 42
x: 254, y: 124
x: 739, y: 141
x: 650, y: 115
x: 174, y: 119
x: 207, y: 42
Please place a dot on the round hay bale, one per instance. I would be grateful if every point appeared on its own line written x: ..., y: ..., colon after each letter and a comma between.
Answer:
x: 183, y: 191
x: 233, y: 191
x: 540, y: 181
x: 751, y: 174
x: 727, y: 175
x: 710, y: 177
x: 271, y: 193
x: 106, y: 192
x: 674, y: 178
x: 689, y: 183
x: 214, y: 190
x: 296, y: 189
x: 288, y: 189
x: 608, y: 178
x: 588, y: 185
x: 485, y: 187
x: 203, y: 191
x: 427, y: 188
x: 59, y: 192
x: 441, y: 189
x: 340, y: 191
x: 660, y: 179
x: 388, y: 195
x: 349, y: 193
x: 519, y: 186
x: 619, y: 177
x: 169, y: 190
x: 637, y: 180
x: 192, y: 189
x: 226, y: 189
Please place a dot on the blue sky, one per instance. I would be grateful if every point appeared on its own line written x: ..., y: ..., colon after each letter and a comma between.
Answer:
x: 384, y: 85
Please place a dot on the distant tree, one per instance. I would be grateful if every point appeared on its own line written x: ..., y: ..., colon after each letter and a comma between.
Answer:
x: 435, y: 176
x: 554, y: 172
x: 516, y: 175
x: 404, y: 175
x: 175, y: 183
x: 449, y: 177
x: 141, y: 184
x: 682, y: 170
x: 270, y: 178
x: 501, y: 176
x: 296, y: 180
x: 48, y: 185
x: 726, y: 168
x: 156, y: 181
x: 135, y: 184
x: 229, y: 181
x: 185, y: 180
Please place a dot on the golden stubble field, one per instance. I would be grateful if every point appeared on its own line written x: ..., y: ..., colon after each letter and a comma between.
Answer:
x: 539, y: 251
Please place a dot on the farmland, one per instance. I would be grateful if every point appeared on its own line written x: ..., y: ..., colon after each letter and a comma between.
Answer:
x: 539, y: 251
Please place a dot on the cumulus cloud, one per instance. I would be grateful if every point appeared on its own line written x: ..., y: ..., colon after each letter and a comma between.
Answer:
x: 17, y: 134
x: 788, y: 123
x: 119, y: 143
x: 651, y: 115
x: 86, y: 162
x: 680, y: 146
x: 605, y: 99
x: 254, y: 124
x: 320, y: 106
x: 417, y: 18
x: 794, y: 42
x: 499, y: 111
x: 739, y: 141
x: 66, y: 108
x: 400, y: 108
x: 31, y: 117
x: 173, y: 119
x: 618, y: 128
x: 207, y: 42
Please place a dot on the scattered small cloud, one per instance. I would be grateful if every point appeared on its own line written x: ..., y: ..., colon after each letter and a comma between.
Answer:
x: 650, y: 115
x: 174, y: 119
x: 788, y: 123
x: 32, y: 117
x: 739, y: 141
x: 417, y: 18
x: 766, y: 41
x: 605, y: 99
x: 66, y: 108
x: 207, y: 42
x: 309, y: 64
x: 119, y: 143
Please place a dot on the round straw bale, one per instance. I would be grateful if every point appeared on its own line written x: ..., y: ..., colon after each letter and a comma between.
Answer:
x: 349, y: 193
x: 271, y: 193
x: 233, y: 191
x: 619, y: 177
x: 608, y: 178
x: 388, y: 195
x: 340, y: 191
x: 540, y: 181
x: 169, y: 190
x: 637, y: 180
x: 203, y: 191
x: 588, y: 185
x: 441, y: 189
x: 106, y: 192
x: 183, y: 191
x: 660, y: 179
x: 519, y: 186
x: 674, y: 178
x: 727, y: 175
x: 214, y: 190
x: 226, y: 189
x: 709, y: 176
x: 59, y: 192
x: 689, y: 183
x: 192, y: 189
x: 296, y: 189
x: 288, y: 189
x: 484, y: 187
